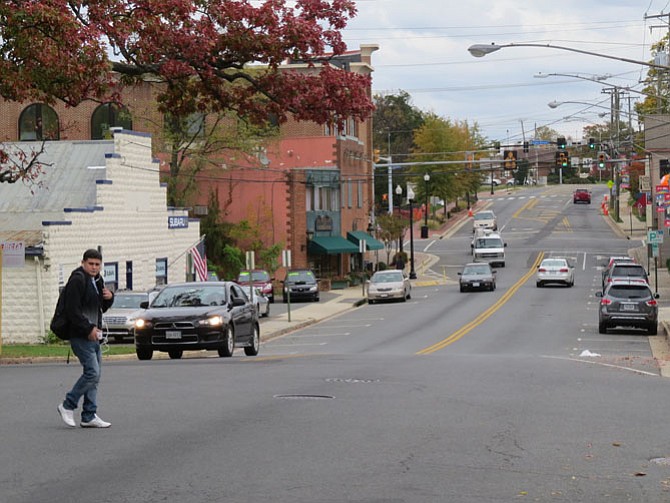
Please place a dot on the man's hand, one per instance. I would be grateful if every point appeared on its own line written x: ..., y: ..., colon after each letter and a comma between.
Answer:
x: 106, y: 293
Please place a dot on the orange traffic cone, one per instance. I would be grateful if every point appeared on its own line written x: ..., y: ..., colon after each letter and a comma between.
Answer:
x: 606, y: 210
x: 470, y: 212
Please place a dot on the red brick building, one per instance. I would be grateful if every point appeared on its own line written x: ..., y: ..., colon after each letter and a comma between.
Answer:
x: 311, y: 189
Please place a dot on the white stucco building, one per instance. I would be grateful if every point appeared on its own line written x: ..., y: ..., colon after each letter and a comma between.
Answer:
x: 91, y: 194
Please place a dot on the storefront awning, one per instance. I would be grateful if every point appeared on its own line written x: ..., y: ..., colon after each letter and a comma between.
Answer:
x: 370, y: 243
x: 331, y: 245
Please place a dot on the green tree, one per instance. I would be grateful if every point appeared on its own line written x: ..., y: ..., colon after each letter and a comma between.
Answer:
x: 391, y: 229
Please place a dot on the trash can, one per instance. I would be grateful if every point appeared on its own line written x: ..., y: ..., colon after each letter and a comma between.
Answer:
x: 424, y: 232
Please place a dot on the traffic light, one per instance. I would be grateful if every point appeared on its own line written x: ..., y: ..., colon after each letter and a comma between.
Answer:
x: 375, y: 155
x: 561, y: 143
x: 561, y: 159
x: 496, y: 145
x: 601, y: 160
x: 592, y: 143
x: 525, y: 147
x: 509, y: 157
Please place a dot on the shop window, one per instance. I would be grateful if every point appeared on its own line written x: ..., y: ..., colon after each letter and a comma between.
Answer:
x: 38, y: 122
x: 106, y: 116
x: 111, y: 275
x: 161, y: 271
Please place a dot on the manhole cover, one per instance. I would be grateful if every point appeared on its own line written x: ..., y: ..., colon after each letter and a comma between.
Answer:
x: 305, y: 397
x: 351, y: 380
x: 661, y: 461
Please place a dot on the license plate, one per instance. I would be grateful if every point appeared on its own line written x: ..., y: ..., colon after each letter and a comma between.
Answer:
x: 629, y: 307
x: 384, y: 295
x: 172, y: 334
x: 475, y: 285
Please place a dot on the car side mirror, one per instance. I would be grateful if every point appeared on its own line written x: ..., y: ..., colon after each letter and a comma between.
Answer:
x: 599, y: 294
x: 144, y: 304
x: 238, y: 302
x: 460, y: 273
x: 471, y: 245
x: 657, y: 296
x: 505, y: 245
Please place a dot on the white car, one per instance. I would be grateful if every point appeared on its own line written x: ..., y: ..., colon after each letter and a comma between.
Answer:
x: 389, y: 285
x: 555, y: 270
x: 485, y: 220
x: 260, y: 301
x: 487, y: 181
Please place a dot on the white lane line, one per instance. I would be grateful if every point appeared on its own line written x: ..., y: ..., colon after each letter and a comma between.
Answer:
x: 592, y: 362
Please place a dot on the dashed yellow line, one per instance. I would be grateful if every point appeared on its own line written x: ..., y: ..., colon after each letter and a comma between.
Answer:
x: 461, y: 332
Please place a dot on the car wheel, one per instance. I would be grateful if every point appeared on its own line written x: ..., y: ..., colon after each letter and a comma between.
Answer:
x: 267, y: 311
x: 271, y: 298
x: 462, y: 288
x: 255, y: 343
x: 285, y: 300
x: 370, y: 301
x: 144, y: 353
x: 653, y: 329
x: 602, y: 328
x: 175, y: 354
x: 229, y: 340
x: 538, y: 284
x: 409, y: 294
x: 404, y: 299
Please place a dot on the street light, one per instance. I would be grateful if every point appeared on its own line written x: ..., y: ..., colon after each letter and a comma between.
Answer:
x: 424, y: 229
x: 410, y: 198
x: 398, y: 191
x: 481, y: 50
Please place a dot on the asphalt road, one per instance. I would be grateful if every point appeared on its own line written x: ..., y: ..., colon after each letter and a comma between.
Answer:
x: 468, y: 397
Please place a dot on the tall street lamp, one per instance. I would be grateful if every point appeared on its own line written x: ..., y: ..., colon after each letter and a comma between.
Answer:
x: 398, y: 191
x: 424, y: 229
x: 410, y: 198
x: 481, y: 50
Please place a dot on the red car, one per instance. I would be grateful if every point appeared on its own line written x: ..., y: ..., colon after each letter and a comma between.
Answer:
x: 261, y: 279
x: 581, y: 196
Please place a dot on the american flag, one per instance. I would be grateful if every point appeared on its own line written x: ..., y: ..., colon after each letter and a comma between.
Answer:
x: 199, y: 260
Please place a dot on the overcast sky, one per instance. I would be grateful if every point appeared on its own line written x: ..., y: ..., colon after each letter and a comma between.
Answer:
x: 423, y: 50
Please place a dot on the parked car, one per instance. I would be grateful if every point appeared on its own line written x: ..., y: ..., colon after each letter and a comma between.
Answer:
x: 628, y: 303
x: 615, y: 259
x: 477, y: 276
x: 300, y: 284
x: 485, y: 220
x: 581, y: 196
x: 198, y: 315
x: 390, y: 284
x: 555, y: 270
x: 119, y: 320
x: 488, y: 180
x: 261, y: 279
x: 489, y: 248
x: 260, y: 302
x: 625, y: 270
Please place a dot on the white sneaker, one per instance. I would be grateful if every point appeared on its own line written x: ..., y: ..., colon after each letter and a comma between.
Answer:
x: 96, y: 422
x: 66, y: 415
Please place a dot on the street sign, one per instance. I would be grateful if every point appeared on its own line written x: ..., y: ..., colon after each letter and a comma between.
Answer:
x: 13, y: 254
x: 250, y: 261
x: 645, y: 183
x: 540, y: 142
x: 655, y: 237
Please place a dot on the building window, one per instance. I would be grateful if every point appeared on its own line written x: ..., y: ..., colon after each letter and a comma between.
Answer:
x: 38, y: 122
x: 309, y: 198
x: 111, y: 275
x: 325, y: 199
x: 350, y: 194
x: 106, y: 116
x: 161, y: 271
x: 360, y: 194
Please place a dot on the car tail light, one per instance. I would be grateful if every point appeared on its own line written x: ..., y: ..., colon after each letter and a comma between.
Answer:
x: 605, y: 302
x: 542, y: 269
x: 651, y: 303
x: 564, y: 269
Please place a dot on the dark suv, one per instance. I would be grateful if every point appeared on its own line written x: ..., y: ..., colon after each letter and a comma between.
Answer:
x: 628, y: 303
x: 300, y: 284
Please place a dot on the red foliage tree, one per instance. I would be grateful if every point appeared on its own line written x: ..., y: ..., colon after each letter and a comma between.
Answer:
x: 212, y: 55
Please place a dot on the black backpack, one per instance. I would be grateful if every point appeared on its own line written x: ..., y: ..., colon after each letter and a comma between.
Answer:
x: 59, y: 323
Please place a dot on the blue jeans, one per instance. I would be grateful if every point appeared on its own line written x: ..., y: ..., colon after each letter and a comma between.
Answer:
x: 90, y: 358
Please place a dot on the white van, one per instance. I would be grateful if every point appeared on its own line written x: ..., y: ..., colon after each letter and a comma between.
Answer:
x: 489, y: 248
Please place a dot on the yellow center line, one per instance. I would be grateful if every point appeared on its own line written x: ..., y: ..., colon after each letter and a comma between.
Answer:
x: 461, y: 332
x: 527, y: 206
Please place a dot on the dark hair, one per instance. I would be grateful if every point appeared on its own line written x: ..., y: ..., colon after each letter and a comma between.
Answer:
x: 92, y: 253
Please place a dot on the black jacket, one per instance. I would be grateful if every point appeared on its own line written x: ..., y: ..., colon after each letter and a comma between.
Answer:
x: 83, y: 304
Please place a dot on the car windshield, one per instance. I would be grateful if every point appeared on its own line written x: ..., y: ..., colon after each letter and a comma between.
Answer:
x: 629, y: 292
x: 635, y: 272
x: 125, y: 301
x: 476, y: 270
x: 389, y: 277
x: 489, y: 243
x: 189, y: 295
x: 553, y: 263
x: 300, y: 277
x: 484, y: 216
x: 256, y: 276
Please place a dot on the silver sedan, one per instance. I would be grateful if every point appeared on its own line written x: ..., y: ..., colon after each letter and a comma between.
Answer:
x: 389, y: 285
x: 555, y: 270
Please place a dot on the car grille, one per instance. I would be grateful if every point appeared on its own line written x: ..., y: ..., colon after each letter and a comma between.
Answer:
x: 489, y: 255
x: 180, y: 325
x: 114, y: 320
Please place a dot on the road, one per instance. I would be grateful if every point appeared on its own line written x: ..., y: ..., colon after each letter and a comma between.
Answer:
x: 468, y: 397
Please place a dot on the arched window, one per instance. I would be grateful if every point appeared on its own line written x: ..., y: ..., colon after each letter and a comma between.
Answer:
x: 38, y: 122
x: 106, y: 116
